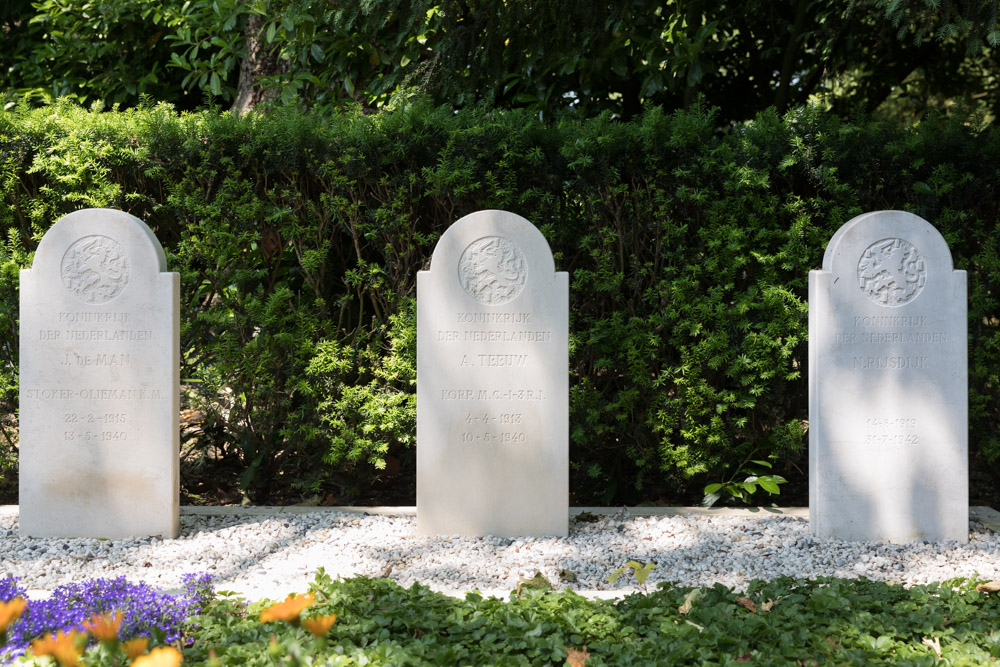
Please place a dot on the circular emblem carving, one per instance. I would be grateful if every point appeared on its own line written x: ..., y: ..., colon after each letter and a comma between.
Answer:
x: 95, y: 269
x: 891, y: 272
x: 493, y: 270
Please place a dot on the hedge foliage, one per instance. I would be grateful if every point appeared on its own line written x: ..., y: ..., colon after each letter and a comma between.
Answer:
x: 298, y: 239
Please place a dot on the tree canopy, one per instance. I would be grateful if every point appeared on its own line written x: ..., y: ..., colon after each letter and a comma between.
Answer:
x: 900, y: 58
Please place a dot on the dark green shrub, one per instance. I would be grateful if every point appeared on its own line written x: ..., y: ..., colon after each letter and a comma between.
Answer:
x: 298, y: 239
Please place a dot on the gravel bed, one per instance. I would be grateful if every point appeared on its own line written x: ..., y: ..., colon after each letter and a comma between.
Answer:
x: 271, y: 556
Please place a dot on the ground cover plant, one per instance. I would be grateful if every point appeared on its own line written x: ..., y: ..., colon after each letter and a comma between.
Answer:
x: 363, y: 621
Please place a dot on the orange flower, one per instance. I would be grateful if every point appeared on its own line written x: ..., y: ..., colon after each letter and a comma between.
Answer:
x: 319, y: 625
x: 104, y: 627
x: 10, y: 612
x: 61, y: 646
x: 165, y: 656
x: 288, y: 610
x: 135, y: 647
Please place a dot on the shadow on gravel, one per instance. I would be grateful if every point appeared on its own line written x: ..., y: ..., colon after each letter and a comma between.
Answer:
x: 693, y: 550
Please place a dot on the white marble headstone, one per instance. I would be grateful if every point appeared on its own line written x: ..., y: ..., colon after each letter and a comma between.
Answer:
x: 99, y: 382
x: 888, y: 385
x: 492, y: 382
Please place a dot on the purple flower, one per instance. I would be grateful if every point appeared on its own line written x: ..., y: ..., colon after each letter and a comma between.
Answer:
x: 199, y: 589
x: 145, y: 611
x: 9, y: 589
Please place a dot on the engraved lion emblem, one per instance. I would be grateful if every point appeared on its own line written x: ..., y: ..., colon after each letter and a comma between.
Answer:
x: 493, y: 270
x: 95, y: 269
x: 891, y: 272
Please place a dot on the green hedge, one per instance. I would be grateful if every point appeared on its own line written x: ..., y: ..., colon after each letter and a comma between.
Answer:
x: 298, y: 239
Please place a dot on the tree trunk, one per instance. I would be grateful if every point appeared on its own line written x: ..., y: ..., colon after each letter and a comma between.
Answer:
x: 259, y: 63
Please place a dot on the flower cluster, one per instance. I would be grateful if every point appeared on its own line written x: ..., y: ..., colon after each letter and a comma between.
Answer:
x: 102, y: 608
x: 67, y: 647
x: 64, y: 646
x: 10, y: 589
x: 198, y: 589
x: 290, y: 611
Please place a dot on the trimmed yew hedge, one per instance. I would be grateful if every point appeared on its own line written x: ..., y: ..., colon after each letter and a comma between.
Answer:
x: 298, y: 239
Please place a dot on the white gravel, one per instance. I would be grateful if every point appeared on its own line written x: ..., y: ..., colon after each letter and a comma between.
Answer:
x: 270, y: 556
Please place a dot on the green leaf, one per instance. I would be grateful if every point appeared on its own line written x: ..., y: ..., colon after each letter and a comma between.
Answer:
x: 710, y: 499
x: 769, y: 485
x: 641, y: 573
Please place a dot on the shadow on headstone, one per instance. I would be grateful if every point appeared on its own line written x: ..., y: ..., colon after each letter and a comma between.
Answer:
x: 888, y: 385
x: 99, y: 382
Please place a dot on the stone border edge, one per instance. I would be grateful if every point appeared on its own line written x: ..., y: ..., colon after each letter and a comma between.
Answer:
x: 573, y: 511
x: 985, y: 515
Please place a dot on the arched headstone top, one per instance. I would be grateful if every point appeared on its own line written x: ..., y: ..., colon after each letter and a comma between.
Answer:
x: 100, y: 237
x: 889, y: 256
x: 494, y: 254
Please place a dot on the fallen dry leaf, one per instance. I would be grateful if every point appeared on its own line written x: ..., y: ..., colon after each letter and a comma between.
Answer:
x: 689, y: 600
x: 989, y: 587
x: 576, y: 658
x: 747, y: 604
